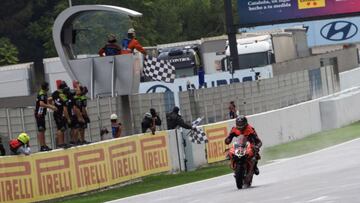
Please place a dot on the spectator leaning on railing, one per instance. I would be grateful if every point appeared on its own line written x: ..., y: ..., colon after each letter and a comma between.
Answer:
x: 116, y: 126
x: 150, y: 121
x: 174, y: 120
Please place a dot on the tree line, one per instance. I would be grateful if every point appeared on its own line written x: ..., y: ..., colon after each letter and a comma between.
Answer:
x: 26, y: 25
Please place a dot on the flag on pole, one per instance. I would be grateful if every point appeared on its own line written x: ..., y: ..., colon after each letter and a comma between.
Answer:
x: 198, y: 136
x: 159, y: 70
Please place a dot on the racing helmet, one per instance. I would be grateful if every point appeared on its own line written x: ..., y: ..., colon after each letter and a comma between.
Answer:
x: 24, y: 138
x: 113, y: 116
x: 241, y: 121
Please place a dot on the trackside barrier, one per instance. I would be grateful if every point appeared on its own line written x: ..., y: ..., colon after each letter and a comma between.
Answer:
x: 340, y: 110
x: 59, y: 173
x: 349, y: 79
x: 282, y: 125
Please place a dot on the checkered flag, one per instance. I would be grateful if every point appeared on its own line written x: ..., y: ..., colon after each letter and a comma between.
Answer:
x: 197, y: 136
x: 159, y: 70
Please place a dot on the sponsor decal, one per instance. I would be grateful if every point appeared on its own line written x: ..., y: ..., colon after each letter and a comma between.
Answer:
x: 216, y: 146
x: 154, y: 151
x: 178, y: 60
x: 306, y: 4
x: 124, y: 160
x: 54, y: 175
x: 339, y: 30
x: 90, y: 168
x: 16, y: 182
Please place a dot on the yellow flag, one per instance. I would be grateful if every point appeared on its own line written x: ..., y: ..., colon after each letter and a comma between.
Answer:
x: 305, y: 4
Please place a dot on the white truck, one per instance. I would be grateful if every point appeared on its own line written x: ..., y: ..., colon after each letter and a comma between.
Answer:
x: 254, y: 53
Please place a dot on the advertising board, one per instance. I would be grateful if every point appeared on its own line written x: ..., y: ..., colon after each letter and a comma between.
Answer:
x: 265, y: 12
x: 60, y: 173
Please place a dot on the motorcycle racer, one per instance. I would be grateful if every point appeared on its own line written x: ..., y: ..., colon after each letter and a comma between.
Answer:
x: 244, y: 128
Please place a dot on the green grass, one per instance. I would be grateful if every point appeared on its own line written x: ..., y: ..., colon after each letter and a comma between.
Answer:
x: 156, y: 182
x: 312, y: 143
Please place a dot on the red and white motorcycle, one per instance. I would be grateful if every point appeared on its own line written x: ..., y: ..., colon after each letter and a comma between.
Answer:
x: 242, y: 161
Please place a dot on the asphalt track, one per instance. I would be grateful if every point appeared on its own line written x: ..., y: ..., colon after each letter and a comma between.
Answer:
x: 329, y: 175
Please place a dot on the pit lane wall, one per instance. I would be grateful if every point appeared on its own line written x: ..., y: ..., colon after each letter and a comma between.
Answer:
x: 59, y: 173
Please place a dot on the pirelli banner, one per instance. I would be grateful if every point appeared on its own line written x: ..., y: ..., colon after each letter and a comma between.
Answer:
x: 216, y: 133
x: 59, y: 173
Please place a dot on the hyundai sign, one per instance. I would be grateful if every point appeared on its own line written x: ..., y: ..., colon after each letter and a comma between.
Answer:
x: 339, y: 30
x: 265, y: 12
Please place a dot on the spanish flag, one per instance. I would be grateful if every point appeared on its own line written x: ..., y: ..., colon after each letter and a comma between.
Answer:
x: 305, y: 4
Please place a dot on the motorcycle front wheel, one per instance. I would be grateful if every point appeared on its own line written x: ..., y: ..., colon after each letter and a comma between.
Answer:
x: 239, y: 175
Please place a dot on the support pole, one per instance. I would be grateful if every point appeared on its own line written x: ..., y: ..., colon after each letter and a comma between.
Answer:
x: 231, y: 31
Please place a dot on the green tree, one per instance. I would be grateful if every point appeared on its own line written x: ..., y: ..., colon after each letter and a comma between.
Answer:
x: 8, y: 52
x: 28, y: 24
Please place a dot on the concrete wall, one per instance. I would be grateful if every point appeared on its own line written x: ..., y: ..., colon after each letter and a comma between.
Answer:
x: 54, y: 70
x: 349, y: 79
x: 300, y: 40
x: 257, y: 96
x: 14, y: 102
x: 284, y: 47
x: 347, y: 59
x: 141, y: 104
x: 15, y: 80
x: 340, y: 110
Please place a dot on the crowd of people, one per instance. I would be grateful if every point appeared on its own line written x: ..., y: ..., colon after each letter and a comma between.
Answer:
x: 128, y: 45
x: 69, y: 106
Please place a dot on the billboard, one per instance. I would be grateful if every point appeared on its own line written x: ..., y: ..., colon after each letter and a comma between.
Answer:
x: 265, y: 12
x: 323, y: 32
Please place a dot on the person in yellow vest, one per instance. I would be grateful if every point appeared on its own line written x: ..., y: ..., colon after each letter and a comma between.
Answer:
x: 20, y: 145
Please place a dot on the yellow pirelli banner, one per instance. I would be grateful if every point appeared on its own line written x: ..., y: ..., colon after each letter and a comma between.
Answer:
x: 215, y: 147
x: 306, y: 4
x: 59, y: 173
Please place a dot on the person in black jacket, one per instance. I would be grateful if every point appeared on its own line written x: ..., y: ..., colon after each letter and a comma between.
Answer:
x: 174, y: 119
x: 150, y: 121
